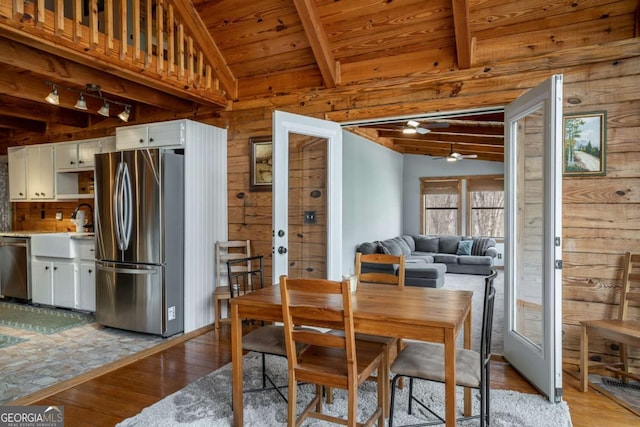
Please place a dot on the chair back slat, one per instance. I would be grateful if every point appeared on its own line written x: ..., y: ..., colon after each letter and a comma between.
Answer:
x: 226, y: 251
x: 630, y: 284
x: 487, y: 317
x: 380, y: 261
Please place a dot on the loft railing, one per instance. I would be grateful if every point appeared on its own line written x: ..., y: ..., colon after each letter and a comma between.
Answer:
x: 145, y: 36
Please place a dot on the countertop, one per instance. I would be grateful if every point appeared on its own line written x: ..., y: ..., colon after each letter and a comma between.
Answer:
x: 28, y: 234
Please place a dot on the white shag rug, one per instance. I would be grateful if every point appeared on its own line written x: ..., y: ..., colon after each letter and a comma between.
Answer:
x: 207, y: 402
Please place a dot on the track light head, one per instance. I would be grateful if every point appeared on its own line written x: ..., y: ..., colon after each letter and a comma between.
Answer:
x: 81, y: 103
x: 124, y: 115
x: 104, y: 110
x: 53, y: 97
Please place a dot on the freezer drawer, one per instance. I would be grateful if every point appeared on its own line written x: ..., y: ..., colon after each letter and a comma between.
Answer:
x: 131, y: 297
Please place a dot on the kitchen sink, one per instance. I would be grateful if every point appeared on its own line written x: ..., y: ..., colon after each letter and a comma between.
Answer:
x: 58, y: 245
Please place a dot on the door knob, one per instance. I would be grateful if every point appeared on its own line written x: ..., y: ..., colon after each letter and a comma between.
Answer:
x: 282, y: 250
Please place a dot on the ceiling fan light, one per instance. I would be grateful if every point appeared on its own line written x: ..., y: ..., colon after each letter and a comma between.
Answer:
x: 104, y: 110
x: 53, y: 97
x: 81, y: 103
x: 451, y: 159
x: 409, y: 131
x: 413, y: 123
x: 124, y: 115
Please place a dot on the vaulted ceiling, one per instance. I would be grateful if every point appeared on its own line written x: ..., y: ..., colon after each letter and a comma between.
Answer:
x: 262, y: 50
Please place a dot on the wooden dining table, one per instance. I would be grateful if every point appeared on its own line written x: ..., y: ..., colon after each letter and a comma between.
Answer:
x: 425, y: 314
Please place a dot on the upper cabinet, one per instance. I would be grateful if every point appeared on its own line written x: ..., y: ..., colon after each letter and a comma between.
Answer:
x: 171, y: 134
x: 74, y: 166
x: 40, y: 182
x: 79, y: 155
x: 17, y: 173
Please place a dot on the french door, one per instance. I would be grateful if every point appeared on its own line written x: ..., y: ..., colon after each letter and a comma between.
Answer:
x: 307, y: 197
x: 533, y: 275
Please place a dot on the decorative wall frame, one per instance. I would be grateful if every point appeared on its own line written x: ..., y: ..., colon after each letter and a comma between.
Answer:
x: 261, y: 163
x: 585, y: 145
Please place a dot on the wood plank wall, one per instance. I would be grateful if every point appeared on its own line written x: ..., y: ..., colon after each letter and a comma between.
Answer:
x: 601, y: 215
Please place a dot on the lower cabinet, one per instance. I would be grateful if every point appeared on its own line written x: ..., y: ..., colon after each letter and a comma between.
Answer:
x: 87, y: 286
x: 53, y: 283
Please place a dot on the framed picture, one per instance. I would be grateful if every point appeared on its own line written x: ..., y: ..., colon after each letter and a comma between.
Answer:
x: 585, y: 147
x: 261, y: 163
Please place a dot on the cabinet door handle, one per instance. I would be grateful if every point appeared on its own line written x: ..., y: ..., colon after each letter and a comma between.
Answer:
x: 90, y: 271
x: 80, y: 162
x: 42, y: 194
x: 46, y: 267
x: 37, y: 194
x: 21, y: 194
x: 150, y: 139
x: 141, y: 140
x: 55, y: 268
x: 72, y: 162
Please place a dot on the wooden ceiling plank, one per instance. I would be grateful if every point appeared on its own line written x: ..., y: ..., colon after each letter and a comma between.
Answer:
x: 21, y: 123
x: 185, y: 11
x: 18, y: 107
x: 447, y: 138
x: 73, y: 74
x: 463, y: 33
x: 318, y: 40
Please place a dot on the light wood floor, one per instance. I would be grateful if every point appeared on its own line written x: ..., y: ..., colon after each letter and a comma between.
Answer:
x: 122, y: 393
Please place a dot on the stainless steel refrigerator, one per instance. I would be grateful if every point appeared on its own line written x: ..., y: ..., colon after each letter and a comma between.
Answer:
x: 139, y: 224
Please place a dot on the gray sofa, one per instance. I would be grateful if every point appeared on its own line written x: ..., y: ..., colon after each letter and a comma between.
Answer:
x: 427, y: 258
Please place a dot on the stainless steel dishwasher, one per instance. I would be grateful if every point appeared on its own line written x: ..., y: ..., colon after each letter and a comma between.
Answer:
x: 15, y: 267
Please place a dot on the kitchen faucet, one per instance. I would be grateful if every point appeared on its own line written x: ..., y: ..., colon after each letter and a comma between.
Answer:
x: 89, y: 225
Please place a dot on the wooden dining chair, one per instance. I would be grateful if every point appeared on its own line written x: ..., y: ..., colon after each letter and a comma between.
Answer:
x: 425, y: 361
x: 622, y: 330
x: 226, y: 251
x: 329, y: 360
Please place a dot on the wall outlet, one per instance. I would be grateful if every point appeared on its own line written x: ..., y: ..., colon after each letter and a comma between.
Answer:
x: 59, y: 215
x: 499, y: 255
x: 309, y: 217
x: 172, y: 313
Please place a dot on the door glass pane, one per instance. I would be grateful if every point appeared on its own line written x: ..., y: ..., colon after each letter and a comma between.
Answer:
x: 529, y: 265
x: 308, y: 159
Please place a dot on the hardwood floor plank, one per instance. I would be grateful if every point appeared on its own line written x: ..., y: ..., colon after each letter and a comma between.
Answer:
x: 113, y: 396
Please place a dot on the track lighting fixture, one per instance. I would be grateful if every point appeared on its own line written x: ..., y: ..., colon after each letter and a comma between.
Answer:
x: 81, y: 103
x: 104, y: 110
x: 124, y: 116
x: 90, y: 90
x: 53, y: 97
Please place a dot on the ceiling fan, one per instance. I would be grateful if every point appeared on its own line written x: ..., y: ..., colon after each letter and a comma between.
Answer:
x: 414, y: 126
x: 454, y: 156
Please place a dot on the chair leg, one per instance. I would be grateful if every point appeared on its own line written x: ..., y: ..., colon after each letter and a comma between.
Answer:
x: 393, y: 398
x: 264, y: 371
x: 410, y: 408
x: 584, y: 359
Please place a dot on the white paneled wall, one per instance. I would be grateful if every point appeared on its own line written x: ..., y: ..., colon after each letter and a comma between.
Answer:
x: 205, y: 218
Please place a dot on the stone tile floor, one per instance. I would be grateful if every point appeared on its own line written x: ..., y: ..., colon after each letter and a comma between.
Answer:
x: 44, y: 360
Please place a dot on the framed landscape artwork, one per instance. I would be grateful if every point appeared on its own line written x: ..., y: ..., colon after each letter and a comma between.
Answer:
x: 261, y: 163
x: 585, y: 146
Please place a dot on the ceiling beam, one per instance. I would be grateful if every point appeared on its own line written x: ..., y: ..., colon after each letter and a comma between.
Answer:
x: 15, y: 106
x: 201, y: 35
x: 464, y: 42
x: 313, y: 28
x: 24, y: 124
x: 70, y: 73
x: 447, y: 138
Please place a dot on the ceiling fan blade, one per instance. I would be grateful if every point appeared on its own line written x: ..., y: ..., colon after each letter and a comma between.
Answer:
x: 422, y: 131
x: 469, y: 156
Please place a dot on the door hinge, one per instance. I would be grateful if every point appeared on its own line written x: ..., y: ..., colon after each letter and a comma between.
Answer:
x: 558, y: 241
x: 558, y: 264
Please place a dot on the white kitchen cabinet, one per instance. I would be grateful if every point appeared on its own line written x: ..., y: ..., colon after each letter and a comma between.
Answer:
x: 52, y: 283
x: 40, y: 179
x: 74, y: 166
x: 17, y: 173
x: 171, y: 134
x: 86, y: 284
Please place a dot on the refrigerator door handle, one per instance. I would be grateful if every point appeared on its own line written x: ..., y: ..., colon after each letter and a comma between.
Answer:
x: 117, y: 209
x: 113, y: 269
x: 127, y: 210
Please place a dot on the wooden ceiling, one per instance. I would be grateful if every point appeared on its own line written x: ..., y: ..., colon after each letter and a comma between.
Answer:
x: 262, y: 50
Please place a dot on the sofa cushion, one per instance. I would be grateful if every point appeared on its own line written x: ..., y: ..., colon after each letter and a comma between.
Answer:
x: 475, y: 260
x: 426, y: 244
x: 368, y: 248
x: 464, y: 247
x: 448, y: 244
x: 419, y: 259
x: 410, y: 242
x: 446, y: 258
x: 428, y: 271
x: 402, y: 244
x: 481, y: 244
x: 390, y: 247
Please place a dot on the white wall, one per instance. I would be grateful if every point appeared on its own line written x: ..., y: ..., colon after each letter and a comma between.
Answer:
x: 372, y: 194
x: 416, y: 167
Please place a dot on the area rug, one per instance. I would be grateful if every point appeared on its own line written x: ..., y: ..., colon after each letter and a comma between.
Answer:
x: 38, y: 319
x: 207, y: 402
x: 7, y: 340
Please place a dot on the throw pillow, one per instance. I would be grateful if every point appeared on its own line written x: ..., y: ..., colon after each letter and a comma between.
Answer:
x: 448, y: 244
x: 464, y: 247
x: 390, y: 247
x: 406, y: 250
x: 426, y: 244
